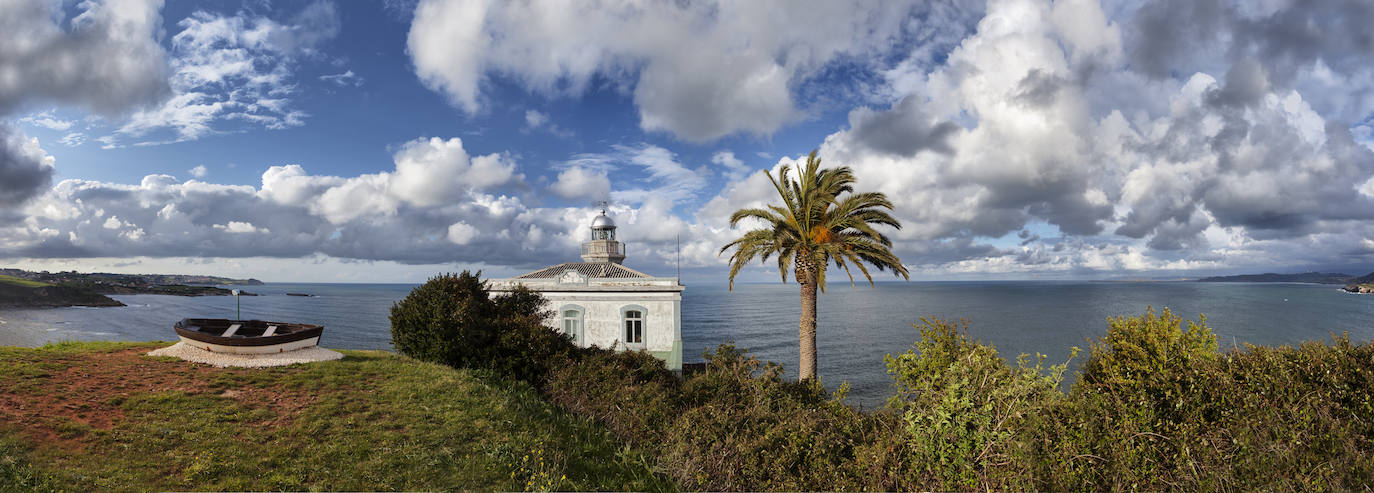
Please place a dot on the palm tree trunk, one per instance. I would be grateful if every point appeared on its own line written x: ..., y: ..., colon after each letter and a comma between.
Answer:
x: 806, y: 329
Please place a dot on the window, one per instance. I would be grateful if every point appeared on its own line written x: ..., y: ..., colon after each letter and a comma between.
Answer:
x: 572, y: 323
x: 634, y: 327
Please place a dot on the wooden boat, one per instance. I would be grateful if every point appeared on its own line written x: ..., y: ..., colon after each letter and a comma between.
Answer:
x: 247, y: 336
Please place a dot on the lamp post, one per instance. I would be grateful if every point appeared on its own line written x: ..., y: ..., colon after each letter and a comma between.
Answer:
x: 238, y: 306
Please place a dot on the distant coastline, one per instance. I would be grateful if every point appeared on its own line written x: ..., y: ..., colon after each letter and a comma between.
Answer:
x: 1306, y: 277
x: 1353, y: 284
x: 25, y: 289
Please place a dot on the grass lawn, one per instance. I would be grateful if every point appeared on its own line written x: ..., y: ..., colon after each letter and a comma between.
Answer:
x: 101, y: 416
x: 16, y: 281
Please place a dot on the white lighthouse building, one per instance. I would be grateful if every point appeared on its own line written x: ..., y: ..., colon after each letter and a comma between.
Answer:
x: 603, y: 303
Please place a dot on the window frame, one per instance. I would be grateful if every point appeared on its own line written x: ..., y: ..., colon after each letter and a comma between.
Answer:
x: 625, y: 320
x: 579, y: 337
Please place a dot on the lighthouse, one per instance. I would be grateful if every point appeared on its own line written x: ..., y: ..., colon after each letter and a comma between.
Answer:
x: 601, y: 302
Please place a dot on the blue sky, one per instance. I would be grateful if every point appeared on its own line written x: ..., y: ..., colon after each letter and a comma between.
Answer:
x: 387, y: 141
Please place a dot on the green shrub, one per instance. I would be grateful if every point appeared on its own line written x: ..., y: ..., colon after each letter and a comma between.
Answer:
x: 962, y: 407
x: 1157, y: 407
x: 744, y: 427
x: 630, y: 392
x: 1148, y: 353
x: 451, y: 319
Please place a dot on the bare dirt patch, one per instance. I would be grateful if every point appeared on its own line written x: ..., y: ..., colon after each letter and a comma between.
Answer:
x: 87, y: 390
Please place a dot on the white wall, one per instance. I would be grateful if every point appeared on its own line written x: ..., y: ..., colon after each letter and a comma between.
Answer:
x: 602, y: 320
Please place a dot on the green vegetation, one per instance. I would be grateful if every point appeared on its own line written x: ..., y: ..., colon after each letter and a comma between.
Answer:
x: 1159, y: 407
x: 76, y: 289
x: 816, y: 225
x: 21, y: 282
x: 101, y: 417
x: 22, y: 293
x: 452, y: 320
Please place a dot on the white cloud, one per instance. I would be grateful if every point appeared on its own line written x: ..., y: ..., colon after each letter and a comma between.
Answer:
x: 199, y: 171
x: 734, y: 168
x: 667, y: 180
x: 47, y: 120
x: 460, y: 233
x: 106, y: 58
x: 746, y: 58
x: 240, y: 227
x: 1050, y: 124
x: 232, y: 71
x: 429, y: 173
x: 344, y: 79
x: 1049, y: 140
x: 582, y: 183
x: 25, y: 168
x: 1368, y: 187
x: 434, y: 171
x: 535, y: 119
x: 73, y: 139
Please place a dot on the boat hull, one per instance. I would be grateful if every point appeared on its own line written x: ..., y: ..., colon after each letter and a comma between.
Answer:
x: 268, y: 349
x: 247, y: 336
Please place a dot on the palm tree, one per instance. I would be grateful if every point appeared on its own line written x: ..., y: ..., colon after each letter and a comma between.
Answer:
x: 813, y: 227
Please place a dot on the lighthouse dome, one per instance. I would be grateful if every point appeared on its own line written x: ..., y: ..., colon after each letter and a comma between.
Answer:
x: 603, y: 222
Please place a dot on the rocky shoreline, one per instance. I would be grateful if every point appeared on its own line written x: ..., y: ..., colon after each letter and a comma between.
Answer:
x: 1361, y: 288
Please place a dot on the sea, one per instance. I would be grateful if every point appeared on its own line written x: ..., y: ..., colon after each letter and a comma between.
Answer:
x: 857, y: 325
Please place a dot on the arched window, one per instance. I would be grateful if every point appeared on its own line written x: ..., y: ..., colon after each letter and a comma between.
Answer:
x: 572, y: 322
x: 633, y: 317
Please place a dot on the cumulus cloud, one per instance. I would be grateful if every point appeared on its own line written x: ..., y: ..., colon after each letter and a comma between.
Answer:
x: 25, y: 169
x: 436, y: 195
x: 1049, y: 137
x: 745, y: 60
x: 106, y: 57
x: 903, y: 130
x: 582, y: 183
x: 1055, y: 116
x: 1321, y: 48
x: 239, y: 227
x: 199, y: 171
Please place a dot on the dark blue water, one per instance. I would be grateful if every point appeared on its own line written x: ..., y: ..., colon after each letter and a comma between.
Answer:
x: 857, y: 325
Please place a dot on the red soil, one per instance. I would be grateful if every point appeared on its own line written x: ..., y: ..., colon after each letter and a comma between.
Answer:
x: 87, y: 388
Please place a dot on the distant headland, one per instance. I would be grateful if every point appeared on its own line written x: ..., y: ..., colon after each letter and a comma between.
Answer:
x: 1308, y: 277
x: 1354, y: 284
x: 26, y: 289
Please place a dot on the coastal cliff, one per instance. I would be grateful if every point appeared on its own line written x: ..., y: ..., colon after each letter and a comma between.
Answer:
x: 25, y: 289
x: 18, y: 293
x: 1362, y: 285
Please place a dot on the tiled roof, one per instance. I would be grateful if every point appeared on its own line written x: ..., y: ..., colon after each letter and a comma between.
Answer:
x: 589, y: 269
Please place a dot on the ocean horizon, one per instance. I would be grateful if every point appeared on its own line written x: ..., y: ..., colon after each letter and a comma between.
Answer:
x: 857, y: 326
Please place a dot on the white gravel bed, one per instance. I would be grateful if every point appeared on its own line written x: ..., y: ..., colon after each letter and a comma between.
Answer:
x: 222, y: 360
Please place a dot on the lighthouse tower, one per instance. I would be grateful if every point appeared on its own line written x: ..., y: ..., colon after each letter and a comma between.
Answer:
x: 603, y: 246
